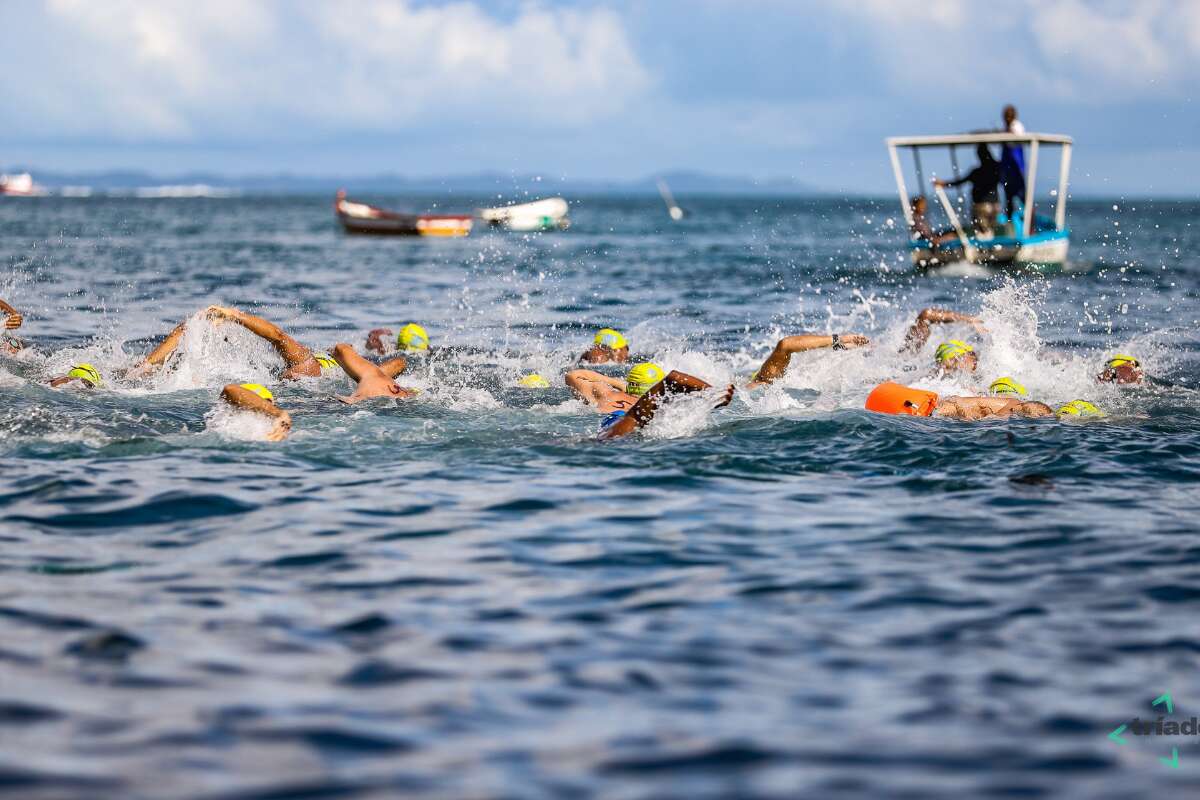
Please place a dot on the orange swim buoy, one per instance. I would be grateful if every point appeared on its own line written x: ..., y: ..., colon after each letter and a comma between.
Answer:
x: 892, y: 398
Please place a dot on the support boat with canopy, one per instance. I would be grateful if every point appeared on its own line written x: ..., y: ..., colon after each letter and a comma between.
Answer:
x: 1020, y: 240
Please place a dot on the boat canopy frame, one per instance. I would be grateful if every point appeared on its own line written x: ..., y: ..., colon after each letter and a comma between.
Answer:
x: 953, y: 141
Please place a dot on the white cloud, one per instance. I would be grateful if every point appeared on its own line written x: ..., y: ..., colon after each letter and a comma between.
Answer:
x: 174, y: 70
x: 1057, y: 49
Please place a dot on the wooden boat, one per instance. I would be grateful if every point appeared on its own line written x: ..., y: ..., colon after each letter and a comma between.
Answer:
x: 21, y: 185
x: 362, y: 218
x: 540, y: 215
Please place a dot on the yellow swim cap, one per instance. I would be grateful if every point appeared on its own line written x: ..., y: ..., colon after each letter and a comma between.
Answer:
x: 1120, y: 361
x: 534, y: 381
x: 610, y: 339
x: 325, y: 360
x: 1006, y: 387
x: 951, y: 350
x: 412, y: 337
x: 1079, y: 408
x: 87, y: 372
x: 259, y: 390
x: 642, y: 377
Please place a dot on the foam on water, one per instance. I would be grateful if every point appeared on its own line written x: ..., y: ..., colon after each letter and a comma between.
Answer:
x: 462, y: 593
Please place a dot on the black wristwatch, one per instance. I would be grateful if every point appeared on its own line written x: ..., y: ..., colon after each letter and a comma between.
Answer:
x: 837, y: 342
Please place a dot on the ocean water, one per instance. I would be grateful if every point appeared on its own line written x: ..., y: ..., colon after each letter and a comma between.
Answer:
x: 466, y: 595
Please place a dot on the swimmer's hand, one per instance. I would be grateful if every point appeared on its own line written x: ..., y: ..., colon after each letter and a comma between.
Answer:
x: 375, y: 340
x: 726, y: 397
x: 219, y: 313
x: 848, y: 340
x: 282, y: 427
x: 977, y: 324
x: 13, y: 321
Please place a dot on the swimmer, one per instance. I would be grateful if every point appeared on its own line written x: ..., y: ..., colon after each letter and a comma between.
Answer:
x: 892, y: 398
x: 372, y: 380
x: 298, y: 360
x: 1080, y: 408
x: 623, y: 423
x: 258, y: 398
x: 608, y: 395
x: 85, y: 374
x: 1007, y: 387
x: 411, y: 339
x: 12, y: 320
x: 609, y: 346
x: 955, y: 356
x: 918, y: 334
x: 777, y: 363
x: 1121, y: 369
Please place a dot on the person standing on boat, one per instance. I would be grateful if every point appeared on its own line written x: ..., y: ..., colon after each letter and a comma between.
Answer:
x: 1012, y: 162
x: 985, y: 189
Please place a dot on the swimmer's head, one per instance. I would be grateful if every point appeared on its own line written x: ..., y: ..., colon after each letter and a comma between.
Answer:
x: 87, y: 373
x: 534, y: 381
x: 642, y: 377
x: 326, y: 361
x: 1006, y: 387
x: 1079, y: 408
x: 1121, y: 369
x: 607, y: 345
x: 259, y: 390
x: 955, y: 356
x: 412, y: 337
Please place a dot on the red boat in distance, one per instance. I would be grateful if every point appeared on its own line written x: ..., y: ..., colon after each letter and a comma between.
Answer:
x: 21, y: 185
x: 362, y: 218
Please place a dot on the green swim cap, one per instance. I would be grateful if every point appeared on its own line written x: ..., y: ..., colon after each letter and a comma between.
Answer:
x: 1120, y: 361
x: 642, y: 377
x: 1079, y: 408
x: 87, y: 372
x: 952, y: 349
x: 325, y: 360
x: 1006, y: 387
x: 412, y: 337
x: 259, y: 390
x: 611, y: 339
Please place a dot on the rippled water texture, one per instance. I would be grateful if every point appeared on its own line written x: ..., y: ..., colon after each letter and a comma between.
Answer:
x: 467, y: 596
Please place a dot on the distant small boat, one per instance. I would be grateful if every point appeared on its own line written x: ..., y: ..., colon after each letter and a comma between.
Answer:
x: 540, y: 215
x: 21, y: 185
x: 362, y: 218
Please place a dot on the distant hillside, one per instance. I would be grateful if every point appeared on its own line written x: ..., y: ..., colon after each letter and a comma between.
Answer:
x: 681, y: 182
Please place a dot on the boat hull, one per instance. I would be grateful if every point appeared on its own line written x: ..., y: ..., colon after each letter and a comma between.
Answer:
x: 360, y: 218
x: 1047, y: 250
x: 540, y: 215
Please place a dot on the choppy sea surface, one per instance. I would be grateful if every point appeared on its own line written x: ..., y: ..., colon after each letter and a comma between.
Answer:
x: 466, y: 595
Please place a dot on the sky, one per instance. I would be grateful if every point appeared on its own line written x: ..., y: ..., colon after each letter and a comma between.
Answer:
x: 800, y: 89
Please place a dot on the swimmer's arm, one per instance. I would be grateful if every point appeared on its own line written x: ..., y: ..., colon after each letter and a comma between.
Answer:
x: 777, y: 363
x: 375, y: 340
x: 160, y: 354
x: 246, y: 400
x: 647, y: 405
x: 976, y: 408
x: 12, y: 317
x: 918, y: 334
x: 291, y: 351
x: 65, y: 379
x: 588, y: 385
x: 394, y: 366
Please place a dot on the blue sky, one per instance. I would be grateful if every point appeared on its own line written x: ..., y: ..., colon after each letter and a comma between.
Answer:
x: 766, y: 88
